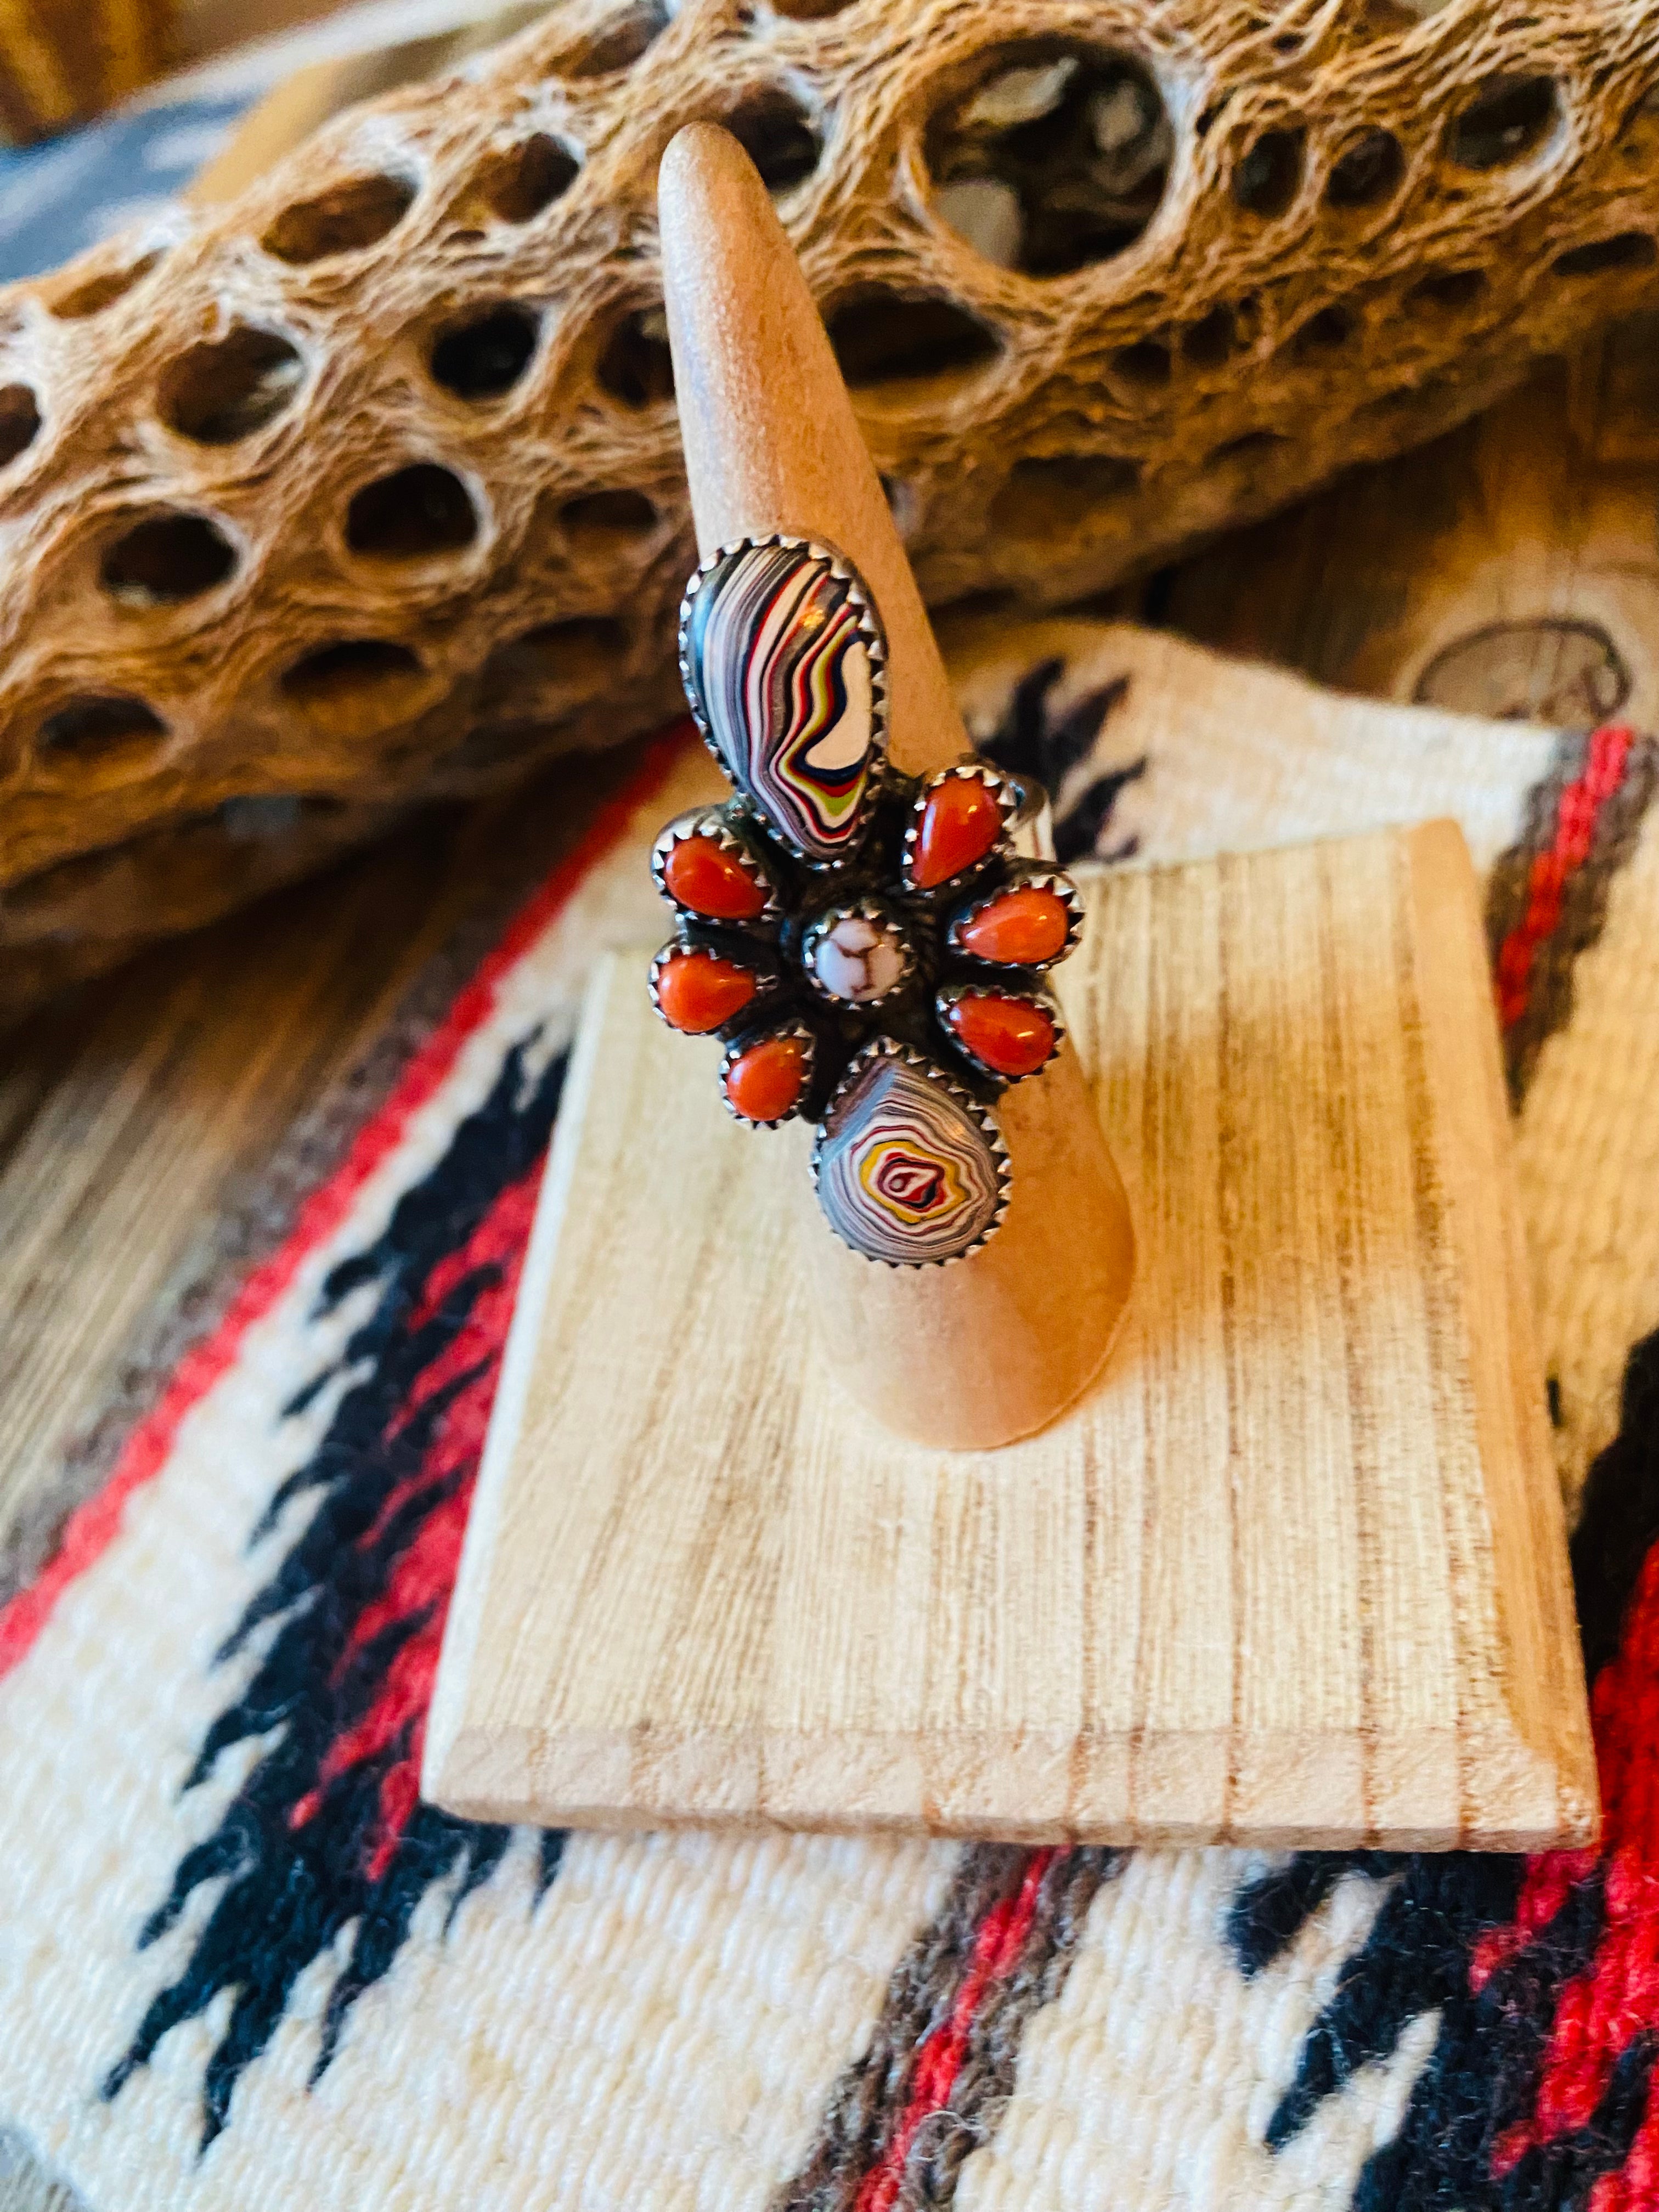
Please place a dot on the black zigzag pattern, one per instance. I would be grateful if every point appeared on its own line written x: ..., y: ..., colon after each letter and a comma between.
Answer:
x: 1031, y: 741
x: 294, y: 1884
x: 1482, y: 2077
x: 292, y: 1889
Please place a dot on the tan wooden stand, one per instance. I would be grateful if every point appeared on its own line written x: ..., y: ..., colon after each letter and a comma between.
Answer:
x: 1294, y: 1569
x: 989, y: 1349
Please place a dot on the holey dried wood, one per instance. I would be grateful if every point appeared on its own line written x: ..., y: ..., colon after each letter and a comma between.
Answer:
x: 366, y: 488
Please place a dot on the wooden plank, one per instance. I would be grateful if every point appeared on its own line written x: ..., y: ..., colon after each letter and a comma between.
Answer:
x: 1294, y: 1571
x: 1511, y: 569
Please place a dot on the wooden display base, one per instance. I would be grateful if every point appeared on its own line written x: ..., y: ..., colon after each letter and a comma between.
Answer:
x: 1294, y: 1570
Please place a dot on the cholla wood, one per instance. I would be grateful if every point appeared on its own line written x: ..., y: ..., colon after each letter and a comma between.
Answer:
x: 1237, y: 249
x: 1294, y: 1568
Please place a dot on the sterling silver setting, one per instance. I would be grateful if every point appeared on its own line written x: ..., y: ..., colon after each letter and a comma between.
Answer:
x: 858, y: 962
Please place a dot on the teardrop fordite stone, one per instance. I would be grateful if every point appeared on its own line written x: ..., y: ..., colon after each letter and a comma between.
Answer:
x: 905, y: 1171
x: 782, y: 660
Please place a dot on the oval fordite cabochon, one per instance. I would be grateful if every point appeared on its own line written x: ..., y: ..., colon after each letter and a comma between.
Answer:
x: 782, y: 658
x: 908, y: 1169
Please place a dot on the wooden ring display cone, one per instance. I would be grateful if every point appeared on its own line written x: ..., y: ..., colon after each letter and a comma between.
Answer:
x: 995, y: 1345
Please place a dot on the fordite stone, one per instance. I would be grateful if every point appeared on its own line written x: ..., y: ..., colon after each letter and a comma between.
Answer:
x: 698, y: 990
x: 960, y: 822
x: 764, y: 1081
x: 857, y: 955
x: 781, y: 657
x: 1006, y: 1036
x: 1024, y: 928
x: 709, y: 879
x: 907, y: 1170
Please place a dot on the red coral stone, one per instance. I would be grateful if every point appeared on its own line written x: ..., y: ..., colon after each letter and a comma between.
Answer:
x: 1011, y: 1036
x: 698, y: 991
x: 960, y: 821
x: 1019, y: 929
x: 702, y: 875
x: 765, y: 1083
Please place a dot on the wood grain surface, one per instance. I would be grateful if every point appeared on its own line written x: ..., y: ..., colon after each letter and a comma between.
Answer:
x: 1294, y: 1571
x: 64, y: 61
x: 1510, y: 569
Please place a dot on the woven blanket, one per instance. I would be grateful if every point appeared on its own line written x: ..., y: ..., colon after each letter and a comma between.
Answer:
x: 242, y: 1965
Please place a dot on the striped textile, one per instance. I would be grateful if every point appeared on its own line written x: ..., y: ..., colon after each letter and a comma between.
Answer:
x: 240, y: 1962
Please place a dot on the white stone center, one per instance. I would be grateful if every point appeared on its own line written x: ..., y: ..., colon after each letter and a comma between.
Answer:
x: 857, y: 959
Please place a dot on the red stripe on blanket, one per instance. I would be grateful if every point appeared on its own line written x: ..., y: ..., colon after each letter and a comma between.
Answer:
x: 997, y: 1947
x: 1601, y: 2012
x: 94, y: 1525
x: 1580, y: 807
x: 416, y: 1597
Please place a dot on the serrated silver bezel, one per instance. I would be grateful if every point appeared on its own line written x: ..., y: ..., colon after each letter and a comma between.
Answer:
x: 987, y: 987
x: 875, y: 643
x: 712, y: 822
x: 739, y: 1045
x: 887, y: 1048
x: 873, y: 910
x: 1025, y: 878
x: 1013, y: 798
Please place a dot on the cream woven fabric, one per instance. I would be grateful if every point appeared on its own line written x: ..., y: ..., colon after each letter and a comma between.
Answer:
x: 240, y: 1966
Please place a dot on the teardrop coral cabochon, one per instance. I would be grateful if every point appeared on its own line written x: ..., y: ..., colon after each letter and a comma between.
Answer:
x: 961, y: 820
x: 1023, y: 927
x: 907, y: 1169
x: 782, y: 658
x: 1009, y: 1034
x: 702, y: 875
x: 698, y: 991
x: 764, y: 1082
